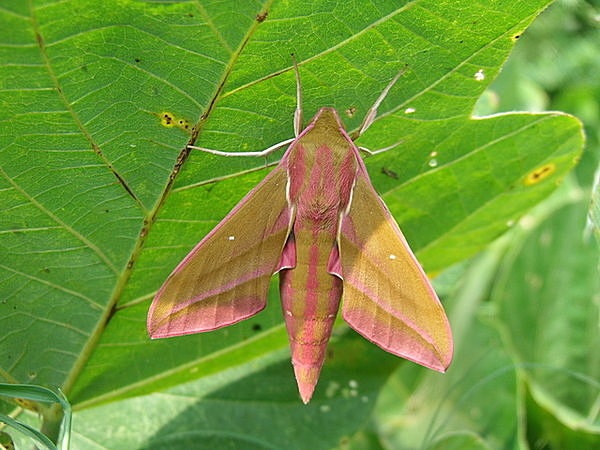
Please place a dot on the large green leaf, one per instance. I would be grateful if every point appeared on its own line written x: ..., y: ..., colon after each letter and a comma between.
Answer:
x: 100, y: 200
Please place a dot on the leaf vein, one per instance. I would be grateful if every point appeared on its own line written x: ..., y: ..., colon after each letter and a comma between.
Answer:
x: 64, y: 225
x: 53, y: 286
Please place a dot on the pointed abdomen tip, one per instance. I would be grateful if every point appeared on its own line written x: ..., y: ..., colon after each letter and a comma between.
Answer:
x: 306, y: 378
x: 306, y: 391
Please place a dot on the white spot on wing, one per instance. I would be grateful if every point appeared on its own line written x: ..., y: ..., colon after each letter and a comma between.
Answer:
x: 231, y: 238
x: 409, y: 110
x: 479, y: 75
x: 392, y: 257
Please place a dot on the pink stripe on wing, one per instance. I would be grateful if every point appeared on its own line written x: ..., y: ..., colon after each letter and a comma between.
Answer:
x: 411, y: 348
x: 244, y: 308
x: 388, y: 308
x: 223, y: 288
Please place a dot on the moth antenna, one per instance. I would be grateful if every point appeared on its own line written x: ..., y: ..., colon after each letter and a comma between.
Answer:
x: 298, y: 113
x: 372, y: 112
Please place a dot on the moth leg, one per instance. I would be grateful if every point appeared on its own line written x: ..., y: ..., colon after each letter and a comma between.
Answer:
x: 372, y: 113
x: 380, y: 150
x: 260, y: 154
x: 298, y: 111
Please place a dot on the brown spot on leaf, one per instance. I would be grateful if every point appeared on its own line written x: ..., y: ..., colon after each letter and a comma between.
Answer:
x: 260, y: 17
x: 389, y: 173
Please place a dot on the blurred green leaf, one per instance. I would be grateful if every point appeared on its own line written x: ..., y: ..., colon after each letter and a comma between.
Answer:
x: 545, y: 431
x: 364, y: 439
x: 461, y: 441
x: 548, y: 293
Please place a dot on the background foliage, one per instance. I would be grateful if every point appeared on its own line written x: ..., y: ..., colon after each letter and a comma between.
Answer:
x: 100, y: 201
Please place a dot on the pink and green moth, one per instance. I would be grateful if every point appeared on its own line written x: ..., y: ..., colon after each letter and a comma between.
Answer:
x: 318, y: 222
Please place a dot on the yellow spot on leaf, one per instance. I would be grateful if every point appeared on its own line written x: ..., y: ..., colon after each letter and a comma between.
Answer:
x: 183, y: 124
x: 539, y: 174
x: 167, y: 119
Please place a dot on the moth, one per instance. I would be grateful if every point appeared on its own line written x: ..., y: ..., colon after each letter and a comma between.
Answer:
x: 317, y: 221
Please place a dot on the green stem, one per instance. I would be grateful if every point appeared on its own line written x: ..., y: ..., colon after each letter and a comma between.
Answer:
x: 51, y: 421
